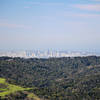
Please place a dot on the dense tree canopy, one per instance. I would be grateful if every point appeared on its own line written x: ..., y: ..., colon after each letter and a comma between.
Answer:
x: 67, y: 78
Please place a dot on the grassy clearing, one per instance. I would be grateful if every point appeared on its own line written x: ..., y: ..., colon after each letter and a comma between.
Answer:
x: 10, y: 88
x: 2, y: 80
x: 31, y: 95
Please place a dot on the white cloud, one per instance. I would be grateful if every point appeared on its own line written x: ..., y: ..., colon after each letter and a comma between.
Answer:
x: 95, y: 0
x: 90, y: 7
x: 82, y: 15
x: 14, y: 26
x: 30, y: 4
x: 27, y: 7
x: 45, y: 3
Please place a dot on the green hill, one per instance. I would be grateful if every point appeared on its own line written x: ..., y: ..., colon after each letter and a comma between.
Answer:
x: 68, y: 78
x: 7, y: 89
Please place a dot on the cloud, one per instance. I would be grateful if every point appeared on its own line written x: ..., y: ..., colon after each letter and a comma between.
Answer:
x: 45, y: 3
x: 96, y: 0
x: 27, y: 7
x: 30, y: 4
x: 8, y: 25
x: 82, y: 15
x: 89, y: 7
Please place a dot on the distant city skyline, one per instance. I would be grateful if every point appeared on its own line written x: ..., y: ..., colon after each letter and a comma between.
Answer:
x: 46, y: 54
x: 72, y: 25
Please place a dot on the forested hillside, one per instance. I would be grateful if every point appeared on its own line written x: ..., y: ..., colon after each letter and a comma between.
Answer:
x: 68, y: 78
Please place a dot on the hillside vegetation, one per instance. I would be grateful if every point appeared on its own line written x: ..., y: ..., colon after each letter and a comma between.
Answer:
x: 7, y: 89
x: 67, y: 78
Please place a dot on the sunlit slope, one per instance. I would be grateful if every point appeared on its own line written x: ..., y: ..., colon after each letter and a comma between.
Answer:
x: 7, y: 89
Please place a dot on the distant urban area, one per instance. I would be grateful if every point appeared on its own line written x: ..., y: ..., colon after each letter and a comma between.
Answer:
x: 45, y: 54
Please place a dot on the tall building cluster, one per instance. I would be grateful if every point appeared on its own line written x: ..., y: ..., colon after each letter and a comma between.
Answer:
x: 43, y: 54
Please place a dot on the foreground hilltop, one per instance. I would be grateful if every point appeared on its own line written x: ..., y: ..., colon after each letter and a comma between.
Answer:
x: 12, y: 92
x: 67, y: 78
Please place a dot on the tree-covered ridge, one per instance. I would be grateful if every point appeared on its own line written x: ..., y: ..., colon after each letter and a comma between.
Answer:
x: 65, y: 78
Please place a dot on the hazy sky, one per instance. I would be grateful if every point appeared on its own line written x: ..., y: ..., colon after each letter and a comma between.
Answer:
x: 50, y: 24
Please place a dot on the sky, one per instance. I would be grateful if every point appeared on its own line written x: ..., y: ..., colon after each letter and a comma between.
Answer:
x: 50, y: 24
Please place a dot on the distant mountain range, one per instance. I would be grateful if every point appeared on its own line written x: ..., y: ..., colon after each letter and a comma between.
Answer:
x: 44, y: 54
